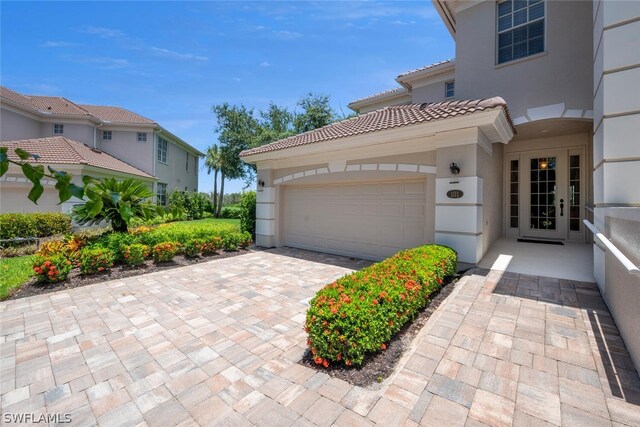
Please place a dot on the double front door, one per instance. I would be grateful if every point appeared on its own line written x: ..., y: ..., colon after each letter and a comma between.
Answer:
x: 546, y: 194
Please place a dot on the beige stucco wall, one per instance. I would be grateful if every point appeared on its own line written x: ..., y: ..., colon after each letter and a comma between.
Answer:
x: 490, y: 168
x: 174, y: 173
x: 13, y: 198
x: 15, y: 126
x: 564, y: 74
x: 432, y: 89
x: 124, y: 145
x: 616, y: 161
x: 80, y: 132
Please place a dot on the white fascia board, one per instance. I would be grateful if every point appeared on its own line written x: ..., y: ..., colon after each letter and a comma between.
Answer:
x: 419, y: 133
x: 176, y: 140
x: 448, y: 18
x: 376, y: 99
x: 428, y: 76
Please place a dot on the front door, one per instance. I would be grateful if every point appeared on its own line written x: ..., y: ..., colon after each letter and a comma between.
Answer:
x: 545, y: 209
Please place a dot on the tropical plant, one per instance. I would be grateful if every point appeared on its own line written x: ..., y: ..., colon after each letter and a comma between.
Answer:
x: 213, y: 163
x: 53, y: 268
x: 96, y: 260
x: 115, y: 202
x: 165, y: 251
x: 135, y: 253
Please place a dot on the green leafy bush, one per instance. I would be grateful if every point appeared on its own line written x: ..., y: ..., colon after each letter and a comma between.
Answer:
x: 115, y: 242
x: 135, y: 253
x: 194, y: 204
x: 359, y: 313
x: 248, y: 212
x: 234, y: 241
x: 231, y: 212
x: 192, y: 248
x: 210, y: 245
x: 95, y: 260
x: 37, y: 224
x: 165, y: 251
x: 52, y: 268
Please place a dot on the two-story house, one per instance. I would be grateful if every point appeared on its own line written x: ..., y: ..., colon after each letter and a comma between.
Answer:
x: 120, y: 136
x: 529, y: 132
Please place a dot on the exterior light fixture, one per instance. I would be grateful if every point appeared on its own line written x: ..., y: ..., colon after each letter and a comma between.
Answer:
x: 260, y: 183
x: 454, y: 169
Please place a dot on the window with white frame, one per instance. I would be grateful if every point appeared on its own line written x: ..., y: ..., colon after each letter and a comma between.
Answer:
x: 161, y: 194
x: 187, y: 167
x: 58, y: 128
x: 520, y: 29
x: 107, y: 135
x: 142, y: 137
x: 449, y: 89
x: 163, y: 146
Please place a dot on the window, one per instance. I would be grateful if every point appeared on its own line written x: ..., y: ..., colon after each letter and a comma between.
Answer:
x: 520, y: 29
x: 106, y: 135
x: 58, y: 129
x: 162, y: 149
x: 449, y: 89
x: 513, y: 194
x: 161, y: 194
x: 142, y: 137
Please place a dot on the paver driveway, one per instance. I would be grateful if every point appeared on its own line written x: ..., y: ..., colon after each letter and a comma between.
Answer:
x: 217, y: 344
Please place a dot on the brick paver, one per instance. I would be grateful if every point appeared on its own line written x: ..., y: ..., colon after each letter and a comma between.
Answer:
x: 217, y: 343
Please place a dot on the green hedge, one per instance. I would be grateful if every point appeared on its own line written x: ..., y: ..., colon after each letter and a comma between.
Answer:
x: 359, y: 313
x: 37, y: 224
x: 248, y: 213
x: 231, y: 212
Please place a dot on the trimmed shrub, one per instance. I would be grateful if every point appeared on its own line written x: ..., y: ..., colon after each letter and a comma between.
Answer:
x: 192, y: 248
x: 165, y: 251
x: 36, y: 224
x: 248, y: 212
x: 193, y: 204
x: 95, y: 260
x: 359, y: 313
x: 115, y: 242
x: 234, y: 212
x: 52, y: 247
x: 135, y: 253
x: 53, y: 268
x: 234, y: 241
x: 210, y: 245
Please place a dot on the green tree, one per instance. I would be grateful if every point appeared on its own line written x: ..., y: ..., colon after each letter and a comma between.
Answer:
x: 115, y: 202
x: 316, y: 113
x: 213, y: 163
x: 237, y: 129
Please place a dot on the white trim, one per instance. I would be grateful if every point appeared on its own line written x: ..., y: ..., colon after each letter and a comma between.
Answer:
x: 265, y: 227
x: 626, y: 262
x: 385, y: 167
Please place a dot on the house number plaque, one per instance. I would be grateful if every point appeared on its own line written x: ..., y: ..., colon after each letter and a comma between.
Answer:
x: 455, y: 194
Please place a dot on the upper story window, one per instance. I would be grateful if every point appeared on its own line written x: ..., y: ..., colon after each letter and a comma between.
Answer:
x: 142, y: 137
x: 520, y: 29
x: 449, y: 89
x: 107, y: 135
x: 163, y: 146
x: 58, y: 128
x: 187, y: 168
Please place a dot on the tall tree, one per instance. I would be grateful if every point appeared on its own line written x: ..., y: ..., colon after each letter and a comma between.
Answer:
x: 316, y: 113
x: 213, y: 163
x: 237, y: 129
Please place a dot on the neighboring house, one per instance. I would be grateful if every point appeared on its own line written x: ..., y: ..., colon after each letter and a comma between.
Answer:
x: 128, y: 136
x: 540, y: 114
x: 61, y: 154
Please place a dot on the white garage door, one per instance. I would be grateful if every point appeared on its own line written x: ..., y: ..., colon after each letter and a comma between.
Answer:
x: 364, y: 220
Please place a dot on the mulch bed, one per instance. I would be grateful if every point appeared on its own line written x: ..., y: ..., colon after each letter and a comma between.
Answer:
x: 76, y: 280
x: 376, y: 367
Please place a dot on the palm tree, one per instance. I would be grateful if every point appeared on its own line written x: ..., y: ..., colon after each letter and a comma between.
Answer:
x: 213, y: 163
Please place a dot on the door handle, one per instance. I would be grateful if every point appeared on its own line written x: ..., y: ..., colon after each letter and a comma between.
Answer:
x: 561, y: 207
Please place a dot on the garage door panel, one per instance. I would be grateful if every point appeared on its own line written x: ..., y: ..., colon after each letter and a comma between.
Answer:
x: 368, y: 220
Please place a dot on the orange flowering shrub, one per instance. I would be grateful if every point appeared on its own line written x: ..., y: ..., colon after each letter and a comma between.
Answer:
x: 166, y: 251
x: 96, y: 260
x: 53, y: 268
x: 359, y: 313
x: 210, y: 246
x: 135, y: 253
x: 51, y: 247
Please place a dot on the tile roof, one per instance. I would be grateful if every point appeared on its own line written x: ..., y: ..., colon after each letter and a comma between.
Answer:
x: 394, y: 91
x: 425, y: 68
x: 61, y: 150
x: 57, y: 105
x: 390, y: 117
x: 116, y: 114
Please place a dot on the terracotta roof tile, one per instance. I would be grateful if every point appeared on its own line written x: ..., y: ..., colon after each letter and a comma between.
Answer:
x: 390, y: 117
x: 426, y: 67
x: 116, y: 114
x: 57, y: 105
x: 61, y: 150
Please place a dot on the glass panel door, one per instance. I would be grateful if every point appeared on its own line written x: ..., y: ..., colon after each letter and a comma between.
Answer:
x: 543, y: 193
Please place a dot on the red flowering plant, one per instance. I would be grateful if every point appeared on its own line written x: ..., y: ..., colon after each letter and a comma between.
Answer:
x: 359, y: 313
x: 165, y: 251
x: 51, y: 268
x: 96, y: 260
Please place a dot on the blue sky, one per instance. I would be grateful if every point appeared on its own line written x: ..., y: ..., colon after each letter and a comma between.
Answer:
x: 171, y: 61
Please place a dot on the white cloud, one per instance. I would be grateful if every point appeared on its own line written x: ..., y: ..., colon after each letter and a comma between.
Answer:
x: 56, y: 43
x: 236, y: 79
x: 177, y: 55
x: 104, y: 32
x: 265, y: 64
x: 103, y: 63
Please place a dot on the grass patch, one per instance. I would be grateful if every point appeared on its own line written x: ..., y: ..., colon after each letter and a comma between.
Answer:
x: 14, y: 272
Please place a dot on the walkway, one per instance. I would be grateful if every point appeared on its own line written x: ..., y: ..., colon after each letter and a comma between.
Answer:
x: 217, y: 344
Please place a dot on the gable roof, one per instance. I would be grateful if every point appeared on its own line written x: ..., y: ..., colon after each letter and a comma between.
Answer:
x: 427, y: 68
x: 390, y: 117
x: 61, y: 150
x: 116, y: 114
x: 392, y: 93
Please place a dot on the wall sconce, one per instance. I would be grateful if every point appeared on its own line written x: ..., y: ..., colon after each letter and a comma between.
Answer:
x: 454, y: 169
x: 260, y: 183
